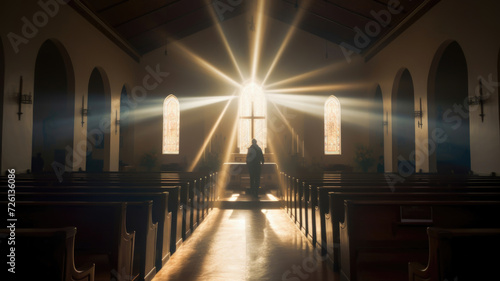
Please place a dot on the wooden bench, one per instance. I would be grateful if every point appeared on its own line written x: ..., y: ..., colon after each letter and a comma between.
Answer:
x: 102, y: 236
x: 159, y: 216
x: 337, y: 211
x: 307, y: 207
x: 43, y: 254
x: 379, y: 238
x: 201, y: 189
x: 322, y: 204
x: 174, y: 203
x: 459, y: 254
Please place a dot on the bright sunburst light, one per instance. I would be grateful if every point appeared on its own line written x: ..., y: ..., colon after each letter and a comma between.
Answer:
x: 286, y: 92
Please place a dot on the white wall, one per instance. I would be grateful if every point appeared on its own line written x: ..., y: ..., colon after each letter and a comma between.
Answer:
x: 86, y: 47
x: 475, y: 26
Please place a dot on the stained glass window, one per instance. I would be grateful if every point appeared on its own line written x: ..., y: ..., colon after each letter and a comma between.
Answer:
x: 171, y: 116
x: 332, y: 126
x: 252, y: 115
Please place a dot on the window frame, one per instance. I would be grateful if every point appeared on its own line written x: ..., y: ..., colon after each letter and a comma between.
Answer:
x: 327, y: 123
x: 166, y: 129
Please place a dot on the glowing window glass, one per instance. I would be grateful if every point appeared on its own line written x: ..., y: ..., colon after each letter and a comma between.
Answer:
x: 332, y: 126
x: 171, y: 116
x: 252, y: 115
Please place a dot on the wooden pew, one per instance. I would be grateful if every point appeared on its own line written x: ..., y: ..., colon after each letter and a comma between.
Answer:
x: 202, y: 187
x: 459, y: 254
x: 195, y: 202
x: 356, y: 180
x: 337, y: 211
x: 426, y: 180
x: 160, y: 216
x: 140, y: 220
x: 102, y: 236
x: 379, y: 238
x: 314, y: 228
x: 43, y: 254
x: 174, y: 204
x: 323, y: 204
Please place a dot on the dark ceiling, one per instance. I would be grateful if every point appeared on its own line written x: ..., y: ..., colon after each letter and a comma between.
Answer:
x: 149, y: 24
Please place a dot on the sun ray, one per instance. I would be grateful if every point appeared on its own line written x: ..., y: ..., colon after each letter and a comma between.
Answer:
x: 209, y: 137
x: 257, y: 40
x: 315, y: 88
x: 308, y: 104
x: 282, y: 116
x: 224, y: 175
x: 285, y: 43
x: 196, y: 102
x: 274, y: 148
x: 226, y: 43
x: 203, y: 63
x: 306, y: 75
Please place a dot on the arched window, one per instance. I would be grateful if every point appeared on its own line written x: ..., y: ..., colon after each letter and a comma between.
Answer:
x: 252, y: 115
x: 332, y: 126
x: 171, y: 116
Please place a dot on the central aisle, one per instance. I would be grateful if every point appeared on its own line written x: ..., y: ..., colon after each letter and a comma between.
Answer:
x: 246, y: 245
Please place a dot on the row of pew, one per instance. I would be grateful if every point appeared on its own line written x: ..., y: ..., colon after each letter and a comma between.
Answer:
x: 371, y: 227
x: 112, y: 226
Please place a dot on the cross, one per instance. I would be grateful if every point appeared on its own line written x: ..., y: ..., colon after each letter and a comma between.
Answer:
x: 252, y: 118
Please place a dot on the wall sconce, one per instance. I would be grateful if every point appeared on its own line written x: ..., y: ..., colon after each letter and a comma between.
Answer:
x: 26, y: 99
x: 85, y: 111
x: 386, y: 122
x: 117, y: 122
x: 475, y: 100
x: 23, y: 99
x: 418, y: 114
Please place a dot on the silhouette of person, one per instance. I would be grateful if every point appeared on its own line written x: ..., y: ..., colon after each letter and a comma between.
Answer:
x: 255, y: 160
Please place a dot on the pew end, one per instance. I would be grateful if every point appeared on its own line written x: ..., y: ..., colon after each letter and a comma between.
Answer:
x: 47, y: 253
x: 418, y: 272
x: 459, y: 254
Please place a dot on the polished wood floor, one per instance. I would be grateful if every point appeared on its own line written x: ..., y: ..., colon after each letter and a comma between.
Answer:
x: 246, y: 244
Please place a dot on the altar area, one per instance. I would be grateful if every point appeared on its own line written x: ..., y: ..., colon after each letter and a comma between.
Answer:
x: 238, y: 178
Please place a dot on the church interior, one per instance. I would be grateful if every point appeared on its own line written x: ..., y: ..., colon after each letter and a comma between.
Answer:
x: 126, y: 130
